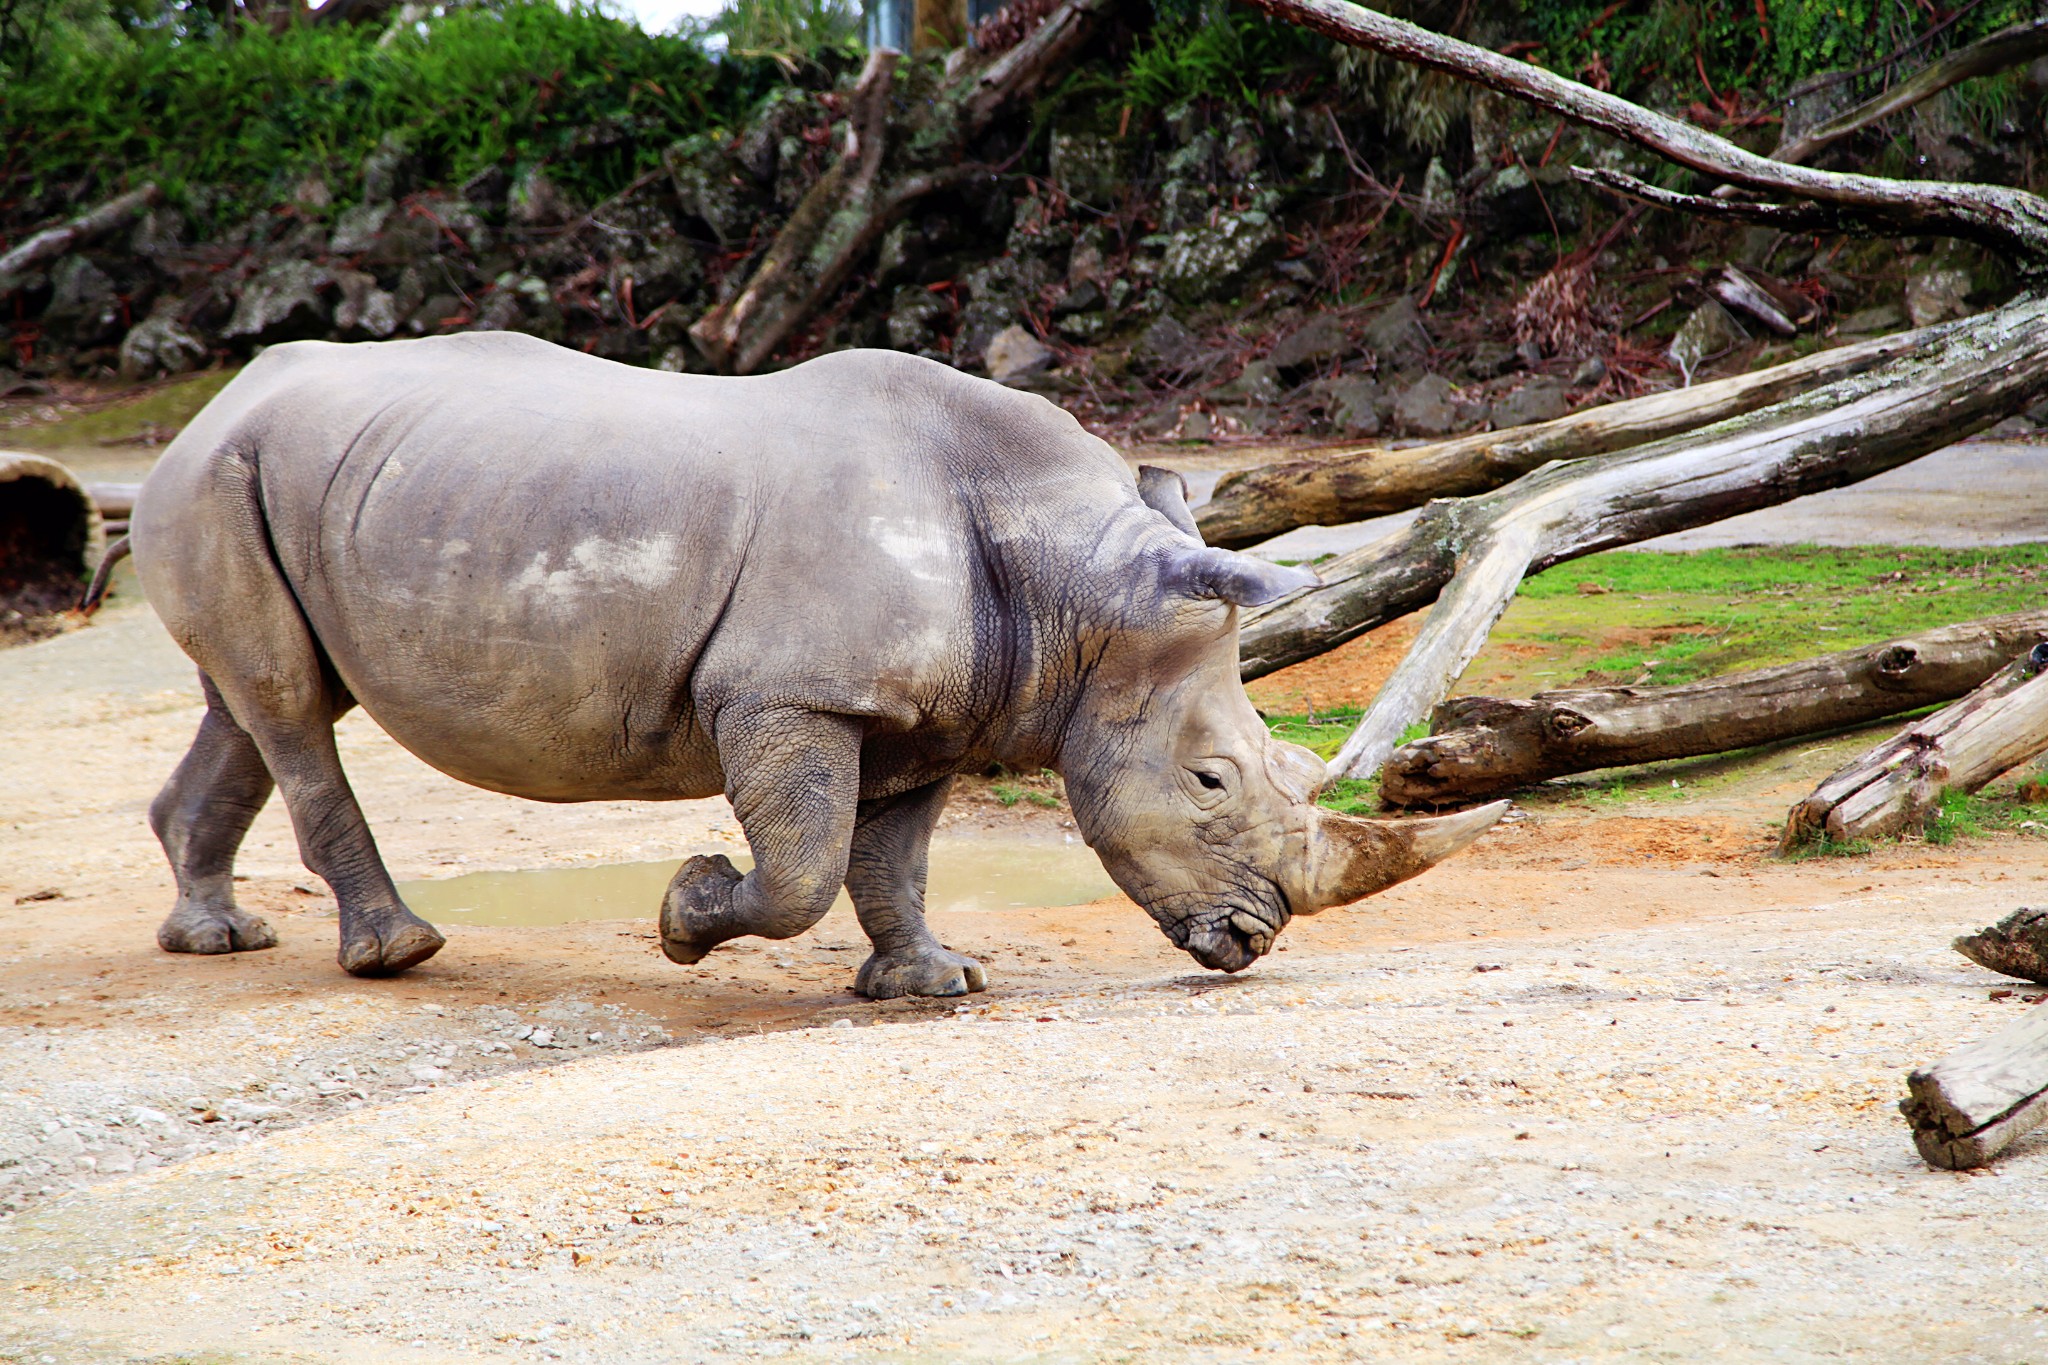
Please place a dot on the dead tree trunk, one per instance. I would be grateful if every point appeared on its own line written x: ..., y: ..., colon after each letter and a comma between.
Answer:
x: 1898, y: 784
x: 1486, y: 745
x: 874, y: 180
x: 1470, y: 554
x: 1970, y: 1106
x: 53, y: 242
x: 1350, y: 483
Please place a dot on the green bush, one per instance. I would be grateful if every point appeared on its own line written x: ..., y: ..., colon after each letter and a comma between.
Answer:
x: 250, y: 112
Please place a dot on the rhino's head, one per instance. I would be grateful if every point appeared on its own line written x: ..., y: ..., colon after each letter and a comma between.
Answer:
x: 1198, y: 813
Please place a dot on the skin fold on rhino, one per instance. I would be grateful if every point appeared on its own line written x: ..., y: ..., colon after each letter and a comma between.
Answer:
x: 821, y: 592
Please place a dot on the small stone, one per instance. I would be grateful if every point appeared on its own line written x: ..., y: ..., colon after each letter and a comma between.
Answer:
x: 842, y: 1023
x: 1590, y: 371
x: 280, y: 302
x: 1937, y: 296
x: 1425, y: 408
x: 1540, y: 400
x: 1014, y: 355
x: 1319, y: 339
x: 1167, y: 342
x: 1709, y: 332
x: 1258, y: 382
x: 1529, y: 353
x: 1352, y: 402
x: 1215, y: 258
x: 1087, y: 166
x: 1395, y: 334
x: 1195, y: 425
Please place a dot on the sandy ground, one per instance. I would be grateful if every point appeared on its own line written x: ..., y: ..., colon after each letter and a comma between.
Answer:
x: 1613, y: 1085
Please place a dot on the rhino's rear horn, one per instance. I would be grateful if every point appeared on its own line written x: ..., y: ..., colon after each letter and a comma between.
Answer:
x: 1350, y: 859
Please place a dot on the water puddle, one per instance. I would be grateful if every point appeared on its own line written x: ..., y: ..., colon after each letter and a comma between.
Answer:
x: 966, y: 874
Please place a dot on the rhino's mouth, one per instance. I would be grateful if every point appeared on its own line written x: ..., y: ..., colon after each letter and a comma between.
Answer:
x: 1231, y: 938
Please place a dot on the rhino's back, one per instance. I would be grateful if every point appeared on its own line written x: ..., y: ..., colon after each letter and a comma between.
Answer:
x: 538, y: 569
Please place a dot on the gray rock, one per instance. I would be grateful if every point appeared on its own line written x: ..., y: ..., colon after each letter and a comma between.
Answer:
x: 702, y: 173
x: 1081, y: 297
x: 158, y: 233
x: 1937, y: 295
x: 84, y: 304
x: 1540, y: 400
x: 1085, y: 327
x: 1708, y: 332
x: 1529, y: 353
x: 1395, y: 334
x: 536, y: 201
x: 1258, y: 382
x: 387, y: 171
x: 159, y: 345
x: 915, y: 319
x: 435, y: 312
x: 901, y: 254
x: 356, y: 228
x: 1491, y: 359
x: 1087, y: 166
x: 1215, y: 259
x: 1879, y: 317
x: 1015, y: 355
x: 364, y: 308
x: 281, y: 302
x: 1590, y: 371
x: 1166, y: 343
x: 1429, y: 407
x: 1321, y: 338
x: 1353, y: 403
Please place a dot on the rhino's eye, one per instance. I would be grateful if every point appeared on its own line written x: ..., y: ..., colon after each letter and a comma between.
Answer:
x: 1209, y: 780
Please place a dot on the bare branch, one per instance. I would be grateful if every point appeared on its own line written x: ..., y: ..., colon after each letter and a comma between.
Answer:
x: 2008, y: 221
x: 1997, y: 52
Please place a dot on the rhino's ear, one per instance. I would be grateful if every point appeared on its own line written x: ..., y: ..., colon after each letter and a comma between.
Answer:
x: 1235, y: 578
x: 1166, y: 493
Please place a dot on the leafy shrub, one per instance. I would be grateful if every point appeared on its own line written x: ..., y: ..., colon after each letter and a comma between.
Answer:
x: 513, y: 85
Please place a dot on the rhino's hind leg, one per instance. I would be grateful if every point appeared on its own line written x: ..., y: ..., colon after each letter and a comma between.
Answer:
x: 794, y: 778
x: 200, y: 817
x: 886, y: 878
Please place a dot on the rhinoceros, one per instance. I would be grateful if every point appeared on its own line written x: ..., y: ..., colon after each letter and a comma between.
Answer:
x: 822, y: 592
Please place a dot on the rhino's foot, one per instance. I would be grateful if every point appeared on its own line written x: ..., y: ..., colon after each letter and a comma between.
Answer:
x: 198, y: 928
x: 931, y: 971
x: 696, y: 910
x: 387, y: 944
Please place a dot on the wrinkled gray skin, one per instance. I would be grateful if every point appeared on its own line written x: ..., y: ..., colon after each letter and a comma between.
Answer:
x: 821, y: 592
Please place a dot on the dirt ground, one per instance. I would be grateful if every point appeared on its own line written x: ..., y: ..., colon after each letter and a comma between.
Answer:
x: 1612, y: 1085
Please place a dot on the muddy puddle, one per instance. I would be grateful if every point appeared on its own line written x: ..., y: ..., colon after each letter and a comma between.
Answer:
x: 966, y: 874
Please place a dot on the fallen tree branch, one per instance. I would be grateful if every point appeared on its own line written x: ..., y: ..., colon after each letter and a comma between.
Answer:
x: 875, y: 178
x: 1972, y: 1104
x: 51, y: 243
x: 1349, y: 483
x: 1996, y: 52
x: 2015, y: 946
x: 2010, y: 222
x: 1470, y: 554
x: 1484, y: 745
x: 1898, y: 784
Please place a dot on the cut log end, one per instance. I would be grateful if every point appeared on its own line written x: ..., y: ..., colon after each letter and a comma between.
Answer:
x: 1977, y: 1101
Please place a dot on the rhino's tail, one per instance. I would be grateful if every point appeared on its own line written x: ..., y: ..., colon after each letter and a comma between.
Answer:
x: 96, y: 592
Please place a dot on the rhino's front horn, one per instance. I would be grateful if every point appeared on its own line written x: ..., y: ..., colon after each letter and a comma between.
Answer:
x: 1351, y: 859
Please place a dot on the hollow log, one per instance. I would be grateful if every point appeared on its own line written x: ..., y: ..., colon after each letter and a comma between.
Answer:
x: 1350, y: 483
x: 2009, y: 47
x: 1898, y: 784
x: 876, y: 178
x: 1470, y: 554
x: 1972, y: 1104
x: 50, y: 537
x: 1485, y: 745
x: 51, y: 243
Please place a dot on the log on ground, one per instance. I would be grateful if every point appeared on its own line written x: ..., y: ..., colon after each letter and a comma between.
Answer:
x: 1347, y: 483
x: 1485, y: 745
x: 1899, y: 784
x: 2015, y: 946
x: 50, y: 537
x: 1972, y: 1104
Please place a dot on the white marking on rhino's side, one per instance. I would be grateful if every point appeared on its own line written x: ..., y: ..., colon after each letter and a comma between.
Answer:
x: 920, y: 547
x: 600, y: 565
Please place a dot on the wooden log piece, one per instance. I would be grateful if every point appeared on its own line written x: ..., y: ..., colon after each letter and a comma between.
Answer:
x: 1971, y: 1105
x: 1898, y: 784
x: 51, y: 243
x: 1485, y: 745
x: 1346, y: 483
x: 2015, y: 946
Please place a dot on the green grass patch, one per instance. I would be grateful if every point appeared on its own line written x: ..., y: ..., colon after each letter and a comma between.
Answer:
x: 156, y: 413
x: 1639, y: 616
x: 1973, y: 815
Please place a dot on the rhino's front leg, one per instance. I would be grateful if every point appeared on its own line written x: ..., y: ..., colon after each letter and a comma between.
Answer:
x: 886, y: 876
x: 794, y: 779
